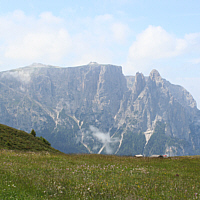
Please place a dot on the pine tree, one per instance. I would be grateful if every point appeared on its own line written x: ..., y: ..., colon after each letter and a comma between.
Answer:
x: 33, y: 133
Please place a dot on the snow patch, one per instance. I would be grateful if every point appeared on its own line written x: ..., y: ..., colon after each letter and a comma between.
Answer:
x: 148, y: 135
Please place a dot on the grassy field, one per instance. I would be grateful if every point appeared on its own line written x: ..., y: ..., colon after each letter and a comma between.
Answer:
x: 43, y: 175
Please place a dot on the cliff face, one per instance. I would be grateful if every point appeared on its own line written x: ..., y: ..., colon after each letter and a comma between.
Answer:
x: 96, y: 109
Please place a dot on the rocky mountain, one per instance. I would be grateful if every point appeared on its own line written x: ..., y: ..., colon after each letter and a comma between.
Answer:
x: 96, y: 109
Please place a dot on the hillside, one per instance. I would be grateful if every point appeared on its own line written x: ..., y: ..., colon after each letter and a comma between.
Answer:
x: 14, y: 139
x: 94, y: 108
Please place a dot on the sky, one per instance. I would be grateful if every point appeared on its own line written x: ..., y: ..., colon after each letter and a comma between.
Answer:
x: 139, y: 35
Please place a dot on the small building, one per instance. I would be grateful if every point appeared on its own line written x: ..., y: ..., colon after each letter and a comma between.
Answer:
x: 139, y: 156
x: 156, y: 156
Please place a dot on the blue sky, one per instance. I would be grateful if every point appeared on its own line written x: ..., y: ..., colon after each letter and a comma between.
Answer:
x: 139, y: 35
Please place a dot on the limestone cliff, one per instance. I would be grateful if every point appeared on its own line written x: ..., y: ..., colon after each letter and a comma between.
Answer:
x: 96, y: 109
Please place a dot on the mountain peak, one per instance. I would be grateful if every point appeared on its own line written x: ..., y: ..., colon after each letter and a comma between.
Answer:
x: 155, y: 75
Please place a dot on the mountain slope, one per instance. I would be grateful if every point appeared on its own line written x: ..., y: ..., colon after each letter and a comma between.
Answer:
x: 14, y: 139
x: 96, y: 109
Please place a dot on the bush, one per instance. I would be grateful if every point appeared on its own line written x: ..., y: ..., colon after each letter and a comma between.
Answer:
x: 44, y: 140
x: 8, y: 144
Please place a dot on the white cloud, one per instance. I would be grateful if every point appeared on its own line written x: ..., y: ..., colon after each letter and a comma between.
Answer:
x: 91, y: 45
x: 18, y: 15
x: 104, y: 138
x: 30, y: 39
x: 47, y: 17
x: 48, y: 39
x: 120, y: 32
x: 95, y: 42
x: 93, y: 56
x: 36, y: 45
x: 155, y: 44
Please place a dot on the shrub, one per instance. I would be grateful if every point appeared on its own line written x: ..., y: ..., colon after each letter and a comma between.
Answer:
x: 44, y: 140
x: 8, y: 144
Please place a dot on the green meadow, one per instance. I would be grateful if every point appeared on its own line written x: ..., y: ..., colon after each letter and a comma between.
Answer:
x: 44, y: 175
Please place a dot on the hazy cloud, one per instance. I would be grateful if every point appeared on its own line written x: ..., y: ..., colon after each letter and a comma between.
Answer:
x: 34, y: 39
x: 120, y: 32
x: 104, y: 138
x: 103, y: 18
x: 193, y: 42
x: 195, y: 61
x: 40, y: 45
x: 154, y: 44
x: 93, y: 134
x: 53, y: 40
x: 24, y: 76
x: 47, y: 17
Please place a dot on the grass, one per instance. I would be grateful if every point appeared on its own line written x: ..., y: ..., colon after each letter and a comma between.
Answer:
x: 13, y: 139
x: 43, y: 175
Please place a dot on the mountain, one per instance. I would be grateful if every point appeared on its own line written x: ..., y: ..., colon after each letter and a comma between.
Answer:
x: 96, y: 109
x: 13, y: 139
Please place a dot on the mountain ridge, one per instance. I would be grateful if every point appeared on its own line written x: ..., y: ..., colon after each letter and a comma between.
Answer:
x: 63, y: 104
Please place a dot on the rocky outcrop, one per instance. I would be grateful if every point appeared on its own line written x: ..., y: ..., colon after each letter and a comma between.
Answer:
x: 96, y: 109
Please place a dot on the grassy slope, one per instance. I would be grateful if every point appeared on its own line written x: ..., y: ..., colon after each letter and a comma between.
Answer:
x: 61, y: 176
x: 14, y: 139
